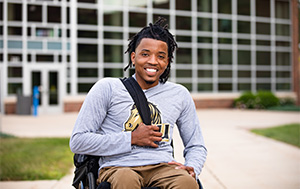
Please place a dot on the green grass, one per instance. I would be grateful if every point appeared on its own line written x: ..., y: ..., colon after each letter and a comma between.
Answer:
x: 34, y: 158
x: 286, y: 133
x: 286, y: 108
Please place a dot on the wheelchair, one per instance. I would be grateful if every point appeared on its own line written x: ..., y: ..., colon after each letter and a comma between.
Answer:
x: 86, y: 173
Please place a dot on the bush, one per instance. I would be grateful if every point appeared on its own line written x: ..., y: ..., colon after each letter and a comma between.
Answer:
x: 287, y: 102
x: 261, y: 100
x: 266, y: 99
x: 246, y: 100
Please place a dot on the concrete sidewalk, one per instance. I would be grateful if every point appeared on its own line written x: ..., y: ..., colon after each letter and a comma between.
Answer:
x: 236, y: 158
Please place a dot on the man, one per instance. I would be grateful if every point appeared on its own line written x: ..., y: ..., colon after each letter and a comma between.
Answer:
x: 132, y: 154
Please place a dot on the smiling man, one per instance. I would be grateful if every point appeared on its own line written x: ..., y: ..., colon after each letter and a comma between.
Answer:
x: 132, y: 154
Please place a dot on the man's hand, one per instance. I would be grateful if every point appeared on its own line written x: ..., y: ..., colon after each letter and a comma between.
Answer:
x: 190, y: 170
x: 146, y: 135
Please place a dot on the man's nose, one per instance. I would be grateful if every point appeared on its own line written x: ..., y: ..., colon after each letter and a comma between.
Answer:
x: 153, y: 59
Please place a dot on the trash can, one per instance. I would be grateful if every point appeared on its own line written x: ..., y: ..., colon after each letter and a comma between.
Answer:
x: 23, y: 104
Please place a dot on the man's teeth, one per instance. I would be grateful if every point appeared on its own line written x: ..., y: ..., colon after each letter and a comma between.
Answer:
x: 151, y: 70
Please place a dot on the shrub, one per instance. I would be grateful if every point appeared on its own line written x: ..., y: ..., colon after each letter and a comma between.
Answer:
x: 265, y: 99
x: 261, y: 100
x: 287, y: 102
x: 246, y: 100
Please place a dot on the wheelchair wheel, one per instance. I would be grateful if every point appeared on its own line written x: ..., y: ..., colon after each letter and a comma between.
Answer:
x: 90, y: 181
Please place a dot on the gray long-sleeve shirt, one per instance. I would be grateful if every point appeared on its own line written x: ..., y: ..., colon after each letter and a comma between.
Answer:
x: 100, y: 127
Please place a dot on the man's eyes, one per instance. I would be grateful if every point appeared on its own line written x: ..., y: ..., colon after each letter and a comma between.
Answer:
x: 161, y: 57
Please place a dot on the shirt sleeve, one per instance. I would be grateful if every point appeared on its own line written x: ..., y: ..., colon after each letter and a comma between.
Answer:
x: 86, y: 138
x: 189, y: 128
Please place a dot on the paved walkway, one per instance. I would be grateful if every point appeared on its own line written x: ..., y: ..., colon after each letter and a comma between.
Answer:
x: 236, y: 158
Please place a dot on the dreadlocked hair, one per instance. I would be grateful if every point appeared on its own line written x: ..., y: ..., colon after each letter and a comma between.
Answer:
x: 158, y: 32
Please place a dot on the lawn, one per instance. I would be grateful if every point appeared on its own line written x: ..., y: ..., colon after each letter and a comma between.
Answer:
x: 34, y: 158
x: 286, y: 133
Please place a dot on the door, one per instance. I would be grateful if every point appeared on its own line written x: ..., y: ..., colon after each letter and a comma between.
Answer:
x: 48, y: 82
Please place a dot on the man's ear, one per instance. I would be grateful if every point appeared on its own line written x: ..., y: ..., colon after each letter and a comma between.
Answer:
x: 132, y: 57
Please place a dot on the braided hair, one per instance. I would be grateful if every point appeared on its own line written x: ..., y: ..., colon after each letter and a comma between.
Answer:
x: 158, y: 32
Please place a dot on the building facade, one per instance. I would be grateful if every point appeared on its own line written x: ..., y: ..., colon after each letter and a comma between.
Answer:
x: 65, y: 46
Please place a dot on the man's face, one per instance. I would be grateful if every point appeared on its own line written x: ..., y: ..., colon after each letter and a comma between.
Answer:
x: 150, y: 60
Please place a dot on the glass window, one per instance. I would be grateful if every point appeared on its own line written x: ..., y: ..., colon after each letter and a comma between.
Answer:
x: 87, y: 16
x: 205, y: 56
x: 114, y: 2
x: 14, y: 12
x: 204, y: 40
x: 204, y: 5
x: 244, y: 86
x: 34, y: 13
x: 263, y: 86
x: 283, y: 29
x: 183, y: 38
x: 14, y: 72
x: 161, y: 4
x: 263, y: 58
x: 189, y: 86
x: 137, y: 19
x: 183, y: 23
x: 84, y: 87
x: 283, y: 86
x: 139, y: 3
x: 183, y: 73
x: 283, y: 43
x: 14, y: 44
x: 263, y: 28
x: 243, y: 7
x: 54, y: 45
x: 114, y: 18
x: 244, y: 42
x: 113, y: 72
x: 225, y: 86
x: 87, y: 34
x: 244, y: 74
x: 224, y: 25
x: 282, y: 9
x: 54, y: 14
x: 44, y: 32
x: 263, y: 42
x: 44, y: 58
x: 263, y: 74
x: 113, y: 53
x: 263, y: 8
x: 225, y: 73
x: 205, y: 73
x: 113, y: 35
x: 204, y: 24
x: 225, y: 56
x: 87, y: 53
x: 205, y: 87
x: 283, y: 74
x: 283, y: 58
x: 13, y: 88
x: 35, y: 45
x: 156, y: 16
x: 183, y: 5
x: 184, y: 56
x: 243, y: 27
x: 224, y: 6
x: 87, y: 72
x: 14, y: 30
x: 15, y: 57
x: 244, y: 57
x: 225, y: 40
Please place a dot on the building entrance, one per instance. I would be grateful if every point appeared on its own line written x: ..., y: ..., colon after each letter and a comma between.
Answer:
x: 48, y: 82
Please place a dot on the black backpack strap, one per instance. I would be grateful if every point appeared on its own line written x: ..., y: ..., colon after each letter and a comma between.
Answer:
x: 139, y: 98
